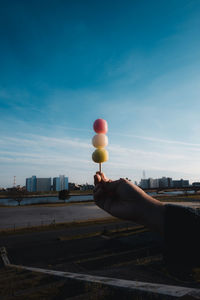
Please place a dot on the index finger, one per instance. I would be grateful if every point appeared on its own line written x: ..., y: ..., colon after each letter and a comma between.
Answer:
x: 97, y: 179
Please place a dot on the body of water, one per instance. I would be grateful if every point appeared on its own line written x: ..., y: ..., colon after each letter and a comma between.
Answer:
x: 82, y: 198
x: 42, y: 200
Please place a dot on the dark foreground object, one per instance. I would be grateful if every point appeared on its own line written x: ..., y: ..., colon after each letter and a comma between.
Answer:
x: 120, y: 250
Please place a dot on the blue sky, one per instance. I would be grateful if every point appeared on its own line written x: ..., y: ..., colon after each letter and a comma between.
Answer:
x: 66, y: 63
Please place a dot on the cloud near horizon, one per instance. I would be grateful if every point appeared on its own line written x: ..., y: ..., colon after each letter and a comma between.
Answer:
x: 44, y: 155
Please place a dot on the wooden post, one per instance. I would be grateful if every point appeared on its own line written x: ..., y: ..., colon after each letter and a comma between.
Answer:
x: 4, y: 256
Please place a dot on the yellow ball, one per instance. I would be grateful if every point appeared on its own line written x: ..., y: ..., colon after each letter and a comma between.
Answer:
x: 100, y: 140
x: 100, y: 155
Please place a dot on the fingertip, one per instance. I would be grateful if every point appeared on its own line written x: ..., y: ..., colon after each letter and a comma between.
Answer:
x: 104, y: 178
x: 100, y: 173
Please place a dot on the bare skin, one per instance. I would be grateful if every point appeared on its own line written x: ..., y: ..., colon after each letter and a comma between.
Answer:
x: 124, y: 200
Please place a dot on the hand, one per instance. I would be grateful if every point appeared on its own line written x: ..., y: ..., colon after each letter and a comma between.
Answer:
x: 124, y: 200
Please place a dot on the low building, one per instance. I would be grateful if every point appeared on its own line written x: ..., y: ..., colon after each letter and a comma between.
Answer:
x: 180, y: 183
x: 196, y: 184
x: 86, y: 187
x: 74, y: 187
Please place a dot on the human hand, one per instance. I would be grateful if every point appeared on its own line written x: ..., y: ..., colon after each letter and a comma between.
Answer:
x: 124, y: 200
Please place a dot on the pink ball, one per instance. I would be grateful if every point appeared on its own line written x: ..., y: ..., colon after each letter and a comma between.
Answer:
x: 100, y: 126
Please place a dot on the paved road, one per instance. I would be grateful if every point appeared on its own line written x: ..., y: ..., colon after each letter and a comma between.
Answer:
x: 29, y: 215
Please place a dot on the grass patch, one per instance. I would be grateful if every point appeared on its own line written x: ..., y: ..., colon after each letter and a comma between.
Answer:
x: 178, y: 198
x: 109, y: 233
x: 56, y: 204
x: 79, y: 236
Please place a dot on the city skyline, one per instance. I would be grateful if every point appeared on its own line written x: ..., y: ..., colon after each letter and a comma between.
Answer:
x: 134, y: 63
x: 56, y: 181
x: 36, y: 184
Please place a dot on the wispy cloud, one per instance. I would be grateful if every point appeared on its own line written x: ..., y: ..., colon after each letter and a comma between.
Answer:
x: 158, y: 140
x: 46, y: 141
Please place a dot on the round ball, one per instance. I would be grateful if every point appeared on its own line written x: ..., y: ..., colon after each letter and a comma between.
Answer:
x: 100, y: 155
x: 100, y: 126
x: 100, y: 140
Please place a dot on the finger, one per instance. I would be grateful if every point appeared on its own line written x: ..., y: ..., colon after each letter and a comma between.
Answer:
x: 97, y: 179
x: 103, y: 176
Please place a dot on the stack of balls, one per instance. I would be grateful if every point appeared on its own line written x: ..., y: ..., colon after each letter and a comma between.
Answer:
x: 99, y: 141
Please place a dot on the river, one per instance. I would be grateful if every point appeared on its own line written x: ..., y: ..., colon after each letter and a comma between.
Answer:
x: 43, y: 200
x: 75, y: 198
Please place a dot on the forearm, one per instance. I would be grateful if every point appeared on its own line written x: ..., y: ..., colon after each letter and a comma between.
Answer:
x: 150, y: 210
x: 154, y: 216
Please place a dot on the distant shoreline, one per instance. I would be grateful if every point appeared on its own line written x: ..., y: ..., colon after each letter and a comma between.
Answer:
x: 83, y: 200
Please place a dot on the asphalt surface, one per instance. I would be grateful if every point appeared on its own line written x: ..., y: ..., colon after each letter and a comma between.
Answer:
x: 134, y: 256
x: 25, y: 216
x: 125, y: 255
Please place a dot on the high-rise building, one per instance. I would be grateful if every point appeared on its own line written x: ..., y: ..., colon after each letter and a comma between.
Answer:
x: 34, y: 184
x: 31, y: 184
x: 56, y: 184
x: 60, y: 183
x: 43, y: 184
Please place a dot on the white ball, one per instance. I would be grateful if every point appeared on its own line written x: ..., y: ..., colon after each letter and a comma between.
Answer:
x: 100, y: 140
